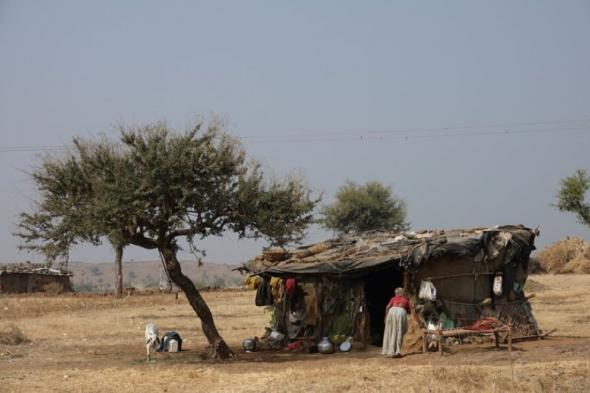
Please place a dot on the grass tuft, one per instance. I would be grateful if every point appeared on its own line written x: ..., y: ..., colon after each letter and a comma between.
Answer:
x: 13, y: 335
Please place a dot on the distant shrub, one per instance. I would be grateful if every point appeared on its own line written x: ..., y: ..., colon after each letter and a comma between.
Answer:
x: 150, y: 282
x: 199, y: 284
x: 84, y: 287
x: 570, y: 255
x: 95, y: 270
x: 236, y: 281
x: 12, y: 335
x: 219, y: 282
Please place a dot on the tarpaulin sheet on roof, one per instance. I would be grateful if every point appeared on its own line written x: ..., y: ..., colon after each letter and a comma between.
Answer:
x: 369, y: 252
x: 344, y: 267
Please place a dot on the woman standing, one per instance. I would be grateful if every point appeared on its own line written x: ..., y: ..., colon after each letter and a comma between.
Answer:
x: 396, y: 324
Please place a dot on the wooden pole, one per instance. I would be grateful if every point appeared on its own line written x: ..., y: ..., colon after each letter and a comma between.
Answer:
x: 119, y: 271
x: 365, y: 326
x: 406, y: 282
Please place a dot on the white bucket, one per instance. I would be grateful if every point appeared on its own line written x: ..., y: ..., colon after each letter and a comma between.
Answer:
x: 172, y: 346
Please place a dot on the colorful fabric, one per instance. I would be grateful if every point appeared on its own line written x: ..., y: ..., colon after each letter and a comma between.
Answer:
x: 252, y: 282
x: 487, y: 323
x: 295, y: 345
x: 290, y: 286
x: 400, y: 301
x: 396, y: 326
x: 276, y: 284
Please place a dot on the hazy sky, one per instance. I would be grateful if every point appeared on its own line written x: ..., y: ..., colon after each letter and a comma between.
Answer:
x: 471, y: 110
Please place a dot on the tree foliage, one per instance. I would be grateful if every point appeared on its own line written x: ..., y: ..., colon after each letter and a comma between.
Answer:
x: 157, y: 186
x: 58, y: 221
x: 360, y: 208
x: 571, y: 196
x: 73, y: 206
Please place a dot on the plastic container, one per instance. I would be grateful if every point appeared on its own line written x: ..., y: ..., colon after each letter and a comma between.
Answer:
x: 346, y: 345
x: 277, y: 335
x: 172, y: 346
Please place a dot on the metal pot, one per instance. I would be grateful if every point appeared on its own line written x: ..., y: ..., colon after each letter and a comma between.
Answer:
x: 249, y: 345
x: 277, y: 335
x: 325, y: 346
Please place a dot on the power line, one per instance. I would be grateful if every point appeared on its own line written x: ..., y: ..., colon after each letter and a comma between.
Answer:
x: 394, y: 134
x: 361, y: 138
x: 426, y: 129
x: 16, y: 149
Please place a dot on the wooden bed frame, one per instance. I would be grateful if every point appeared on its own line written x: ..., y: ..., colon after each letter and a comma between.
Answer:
x: 442, y: 333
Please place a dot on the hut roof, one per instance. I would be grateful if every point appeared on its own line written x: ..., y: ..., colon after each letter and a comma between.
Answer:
x: 371, y: 251
x: 28, y: 267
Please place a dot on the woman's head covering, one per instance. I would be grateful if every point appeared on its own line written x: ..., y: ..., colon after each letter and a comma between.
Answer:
x: 399, y: 291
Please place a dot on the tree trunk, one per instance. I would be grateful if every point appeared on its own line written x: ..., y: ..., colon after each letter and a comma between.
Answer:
x: 218, y: 349
x: 119, y: 271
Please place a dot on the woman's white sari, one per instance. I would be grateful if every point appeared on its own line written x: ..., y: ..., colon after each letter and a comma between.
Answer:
x: 396, y: 326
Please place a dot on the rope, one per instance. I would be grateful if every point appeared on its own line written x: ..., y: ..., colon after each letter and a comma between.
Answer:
x: 459, y: 275
x: 165, y: 270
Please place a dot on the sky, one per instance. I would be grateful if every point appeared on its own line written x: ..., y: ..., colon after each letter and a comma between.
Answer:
x: 472, y: 111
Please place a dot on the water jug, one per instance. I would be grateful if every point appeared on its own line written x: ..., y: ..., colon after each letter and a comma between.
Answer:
x: 325, y: 346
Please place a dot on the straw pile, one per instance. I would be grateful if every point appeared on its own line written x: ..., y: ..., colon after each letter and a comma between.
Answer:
x: 570, y: 255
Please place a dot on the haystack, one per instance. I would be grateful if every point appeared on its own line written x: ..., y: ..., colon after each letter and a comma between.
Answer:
x: 570, y: 255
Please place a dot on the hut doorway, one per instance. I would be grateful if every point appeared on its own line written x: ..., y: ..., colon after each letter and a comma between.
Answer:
x: 379, y: 287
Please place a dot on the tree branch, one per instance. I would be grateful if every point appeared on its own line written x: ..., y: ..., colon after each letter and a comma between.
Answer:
x: 181, y: 232
x: 140, y: 240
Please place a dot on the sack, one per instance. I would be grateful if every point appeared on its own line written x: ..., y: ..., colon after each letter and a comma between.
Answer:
x: 498, y: 285
x: 264, y: 294
x: 427, y: 291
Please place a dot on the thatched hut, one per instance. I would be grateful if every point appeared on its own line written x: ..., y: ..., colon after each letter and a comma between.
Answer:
x: 29, y: 278
x: 340, y: 287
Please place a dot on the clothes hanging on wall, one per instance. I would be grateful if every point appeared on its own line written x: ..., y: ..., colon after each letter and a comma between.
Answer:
x: 264, y: 294
x: 277, y: 288
x: 290, y: 285
x: 498, y: 285
x: 427, y: 291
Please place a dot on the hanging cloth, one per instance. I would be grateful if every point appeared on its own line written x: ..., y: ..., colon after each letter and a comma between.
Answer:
x: 290, y: 286
x: 498, y: 285
x: 427, y: 291
x: 264, y: 294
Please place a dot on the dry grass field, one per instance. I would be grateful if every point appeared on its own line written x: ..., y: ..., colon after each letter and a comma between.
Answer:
x: 95, y: 344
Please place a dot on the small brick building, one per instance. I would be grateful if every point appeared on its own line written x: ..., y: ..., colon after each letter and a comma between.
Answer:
x: 29, y: 278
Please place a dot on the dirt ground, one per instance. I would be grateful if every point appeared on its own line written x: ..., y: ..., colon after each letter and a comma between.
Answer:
x: 95, y: 344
